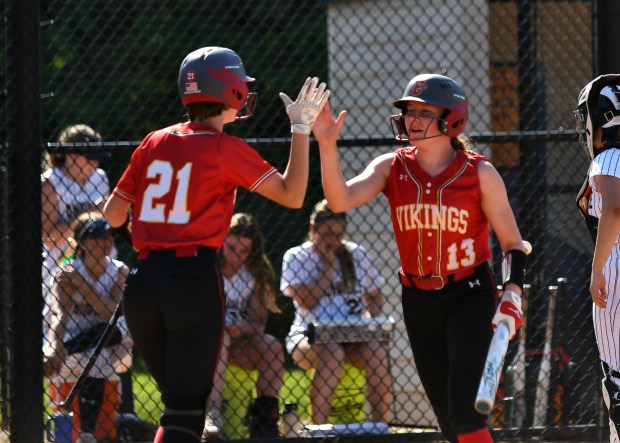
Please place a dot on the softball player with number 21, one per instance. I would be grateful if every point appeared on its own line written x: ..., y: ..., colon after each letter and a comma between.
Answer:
x: 180, y: 185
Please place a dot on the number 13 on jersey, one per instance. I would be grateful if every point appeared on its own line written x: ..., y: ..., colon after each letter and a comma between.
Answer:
x: 461, y: 255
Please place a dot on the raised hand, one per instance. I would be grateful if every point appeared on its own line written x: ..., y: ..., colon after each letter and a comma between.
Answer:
x: 327, y: 128
x: 509, y: 312
x: 305, y: 109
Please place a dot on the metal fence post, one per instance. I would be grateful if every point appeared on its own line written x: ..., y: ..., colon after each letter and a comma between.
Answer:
x: 24, y: 218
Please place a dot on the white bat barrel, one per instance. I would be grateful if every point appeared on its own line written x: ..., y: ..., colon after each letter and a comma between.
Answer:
x: 492, y: 370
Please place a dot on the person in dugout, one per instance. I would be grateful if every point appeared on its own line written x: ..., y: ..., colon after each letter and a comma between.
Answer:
x: 333, y: 279
x: 249, y: 284
x: 86, y: 291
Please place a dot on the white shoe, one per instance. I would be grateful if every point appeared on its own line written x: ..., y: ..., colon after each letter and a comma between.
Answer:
x: 86, y: 437
x: 213, y: 426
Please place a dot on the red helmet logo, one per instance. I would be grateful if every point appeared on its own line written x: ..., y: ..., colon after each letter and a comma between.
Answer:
x: 418, y: 88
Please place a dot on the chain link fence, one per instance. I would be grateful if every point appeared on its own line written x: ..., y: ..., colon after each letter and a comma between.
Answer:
x: 113, y: 65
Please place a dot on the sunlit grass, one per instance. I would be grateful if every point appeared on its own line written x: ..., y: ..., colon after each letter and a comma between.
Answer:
x: 240, y: 391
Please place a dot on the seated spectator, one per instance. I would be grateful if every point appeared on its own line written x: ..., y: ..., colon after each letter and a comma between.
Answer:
x: 330, y: 278
x: 72, y: 184
x: 86, y: 291
x: 250, y: 294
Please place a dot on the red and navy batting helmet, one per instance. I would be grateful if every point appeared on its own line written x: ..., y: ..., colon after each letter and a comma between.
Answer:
x: 213, y: 74
x: 436, y: 90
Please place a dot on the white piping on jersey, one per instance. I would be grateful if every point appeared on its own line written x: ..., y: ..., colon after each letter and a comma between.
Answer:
x: 439, y: 197
x: 183, y: 134
x: 418, y: 201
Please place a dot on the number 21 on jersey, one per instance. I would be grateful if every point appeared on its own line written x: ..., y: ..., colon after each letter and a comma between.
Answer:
x: 164, y: 173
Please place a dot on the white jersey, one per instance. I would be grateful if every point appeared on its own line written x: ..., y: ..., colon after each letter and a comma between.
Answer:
x: 84, y: 317
x: 302, y: 265
x: 607, y: 321
x: 238, y: 289
x: 73, y: 199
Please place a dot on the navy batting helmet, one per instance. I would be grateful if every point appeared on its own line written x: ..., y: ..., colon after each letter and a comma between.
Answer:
x: 436, y: 90
x: 213, y: 74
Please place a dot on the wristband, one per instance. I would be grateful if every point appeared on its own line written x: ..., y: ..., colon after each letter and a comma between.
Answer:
x: 300, y: 128
x: 513, y: 268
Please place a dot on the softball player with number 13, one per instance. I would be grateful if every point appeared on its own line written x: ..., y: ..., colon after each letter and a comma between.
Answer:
x: 442, y: 196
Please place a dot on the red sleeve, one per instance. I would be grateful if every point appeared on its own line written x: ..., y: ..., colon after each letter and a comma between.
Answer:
x: 242, y: 165
x: 126, y: 188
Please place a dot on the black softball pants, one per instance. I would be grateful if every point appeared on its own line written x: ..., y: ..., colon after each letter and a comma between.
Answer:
x: 450, y: 332
x: 175, y: 313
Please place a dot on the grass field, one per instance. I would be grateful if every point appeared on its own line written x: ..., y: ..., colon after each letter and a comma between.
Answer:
x: 348, y: 406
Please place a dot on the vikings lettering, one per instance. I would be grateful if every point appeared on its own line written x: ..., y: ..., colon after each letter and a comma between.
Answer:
x: 429, y: 216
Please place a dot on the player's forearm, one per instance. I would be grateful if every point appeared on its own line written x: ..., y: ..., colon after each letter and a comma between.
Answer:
x: 295, y: 177
x: 334, y: 184
x: 608, y: 229
x: 103, y: 306
x: 308, y: 296
x: 116, y: 211
x: 57, y: 333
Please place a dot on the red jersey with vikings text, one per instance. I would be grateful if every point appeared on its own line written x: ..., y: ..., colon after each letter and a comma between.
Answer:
x: 182, y: 182
x: 438, y: 221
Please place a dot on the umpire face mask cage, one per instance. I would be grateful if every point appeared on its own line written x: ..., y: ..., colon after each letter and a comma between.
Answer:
x: 598, y: 106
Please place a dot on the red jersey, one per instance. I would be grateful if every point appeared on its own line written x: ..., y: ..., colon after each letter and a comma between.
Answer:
x: 182, y: 182
x: 438, y: 221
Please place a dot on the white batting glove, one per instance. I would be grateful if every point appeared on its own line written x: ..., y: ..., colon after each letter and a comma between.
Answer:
x: 509, y: 311
x: 304, y: 111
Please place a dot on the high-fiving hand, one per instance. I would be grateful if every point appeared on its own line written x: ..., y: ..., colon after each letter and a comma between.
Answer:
x: 304, y: 111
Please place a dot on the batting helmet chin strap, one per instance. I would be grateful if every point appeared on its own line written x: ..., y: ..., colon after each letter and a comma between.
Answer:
x: 401, y: 132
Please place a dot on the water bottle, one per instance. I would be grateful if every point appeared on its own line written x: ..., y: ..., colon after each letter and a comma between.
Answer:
x: 291, y: 425
x: 59, y: 427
